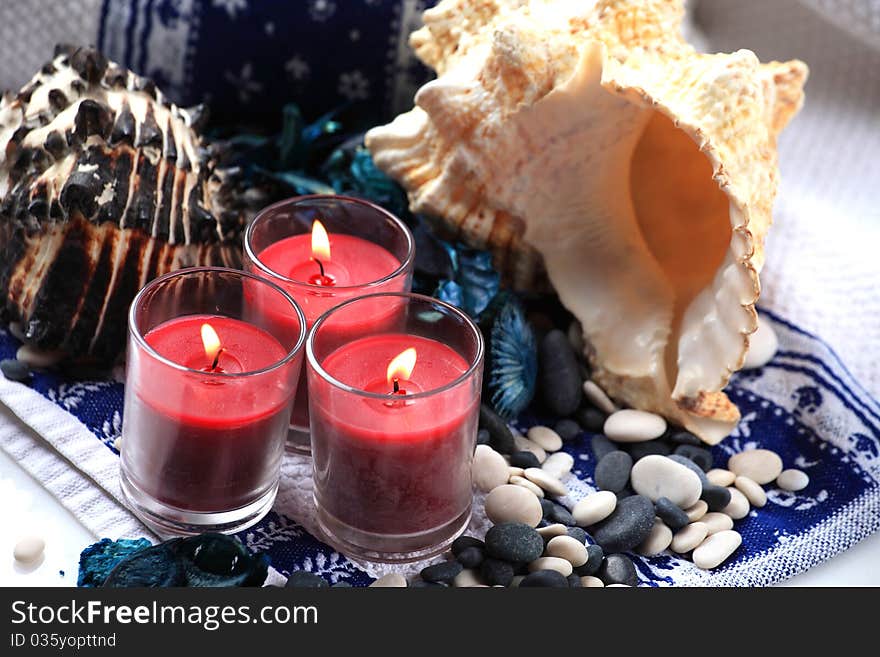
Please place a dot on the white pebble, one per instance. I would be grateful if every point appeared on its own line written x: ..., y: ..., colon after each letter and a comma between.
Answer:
x: 763, y: 344
x: 689, y: 537
x: 551, y: 563
x: 753, y: 492
x: 536, y: 490
x: 29, y: 549
x: 558, y: 464
x: 590, y: 582
x: 594, y: 507
x: 598, y: 398
x: 697, y: 511
x: 523, y: 444
x: 466, y: 579
x: 556, y: 529
x: 391, y: 580
x: 658, y: 540
x: 512, y: 503
x: 546, y: 481
x: 490, y: 470
x: 568, y: 548
x: 760, y: 465
x: 631, y: 426
x: 515, y: 471
x: 656, y: 476
x: 716, y: 549
x: 738, y: 508
x: 792, y: 480
x: 37, y: 357
x: 546, y: 438
x: 720, y: 477
x: 717, y: 522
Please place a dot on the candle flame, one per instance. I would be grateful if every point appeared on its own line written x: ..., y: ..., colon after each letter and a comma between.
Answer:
x: 402, y: 365
x: 211, y: 341
x: 320, y: 242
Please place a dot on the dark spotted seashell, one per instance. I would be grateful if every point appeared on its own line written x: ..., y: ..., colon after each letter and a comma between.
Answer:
x: 104, y: 185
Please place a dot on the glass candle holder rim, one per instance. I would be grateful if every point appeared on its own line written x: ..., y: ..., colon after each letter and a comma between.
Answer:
x: 474, y: 364
x: 405, y: 264
x: 143, y: 344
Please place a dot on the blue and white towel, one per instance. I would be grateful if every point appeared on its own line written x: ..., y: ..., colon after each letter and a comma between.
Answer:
x: 804, y: 405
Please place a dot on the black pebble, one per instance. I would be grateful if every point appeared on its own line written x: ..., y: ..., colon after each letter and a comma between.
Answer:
x: 470, y: 557
x: 618, y: 569
x: 500, y: 436
x: 670, y: 513
x: 341, y: 585
x: 591, y: 419
x: 559, y: 377
x: 422, y: 584
x: 716, y: 497
x: 524, y: 460
x: 441, y: 572
x: 545, y: 578
x: 639, y: 450
x: 627, y: 526
x: 626, y: 492
x: 699, y: 455
x: 300, y: 579
x: 693, y: 467
x: 15, y: 370
x: 496, y: 571
x: 577, y: 534
x: 684, y: 438
x: 567, y: 429
x: 546, y: 507
x: 483, y: 437
x: 612, y: 472
x: 574, y: 581
x: 602, y: 446
x: 514, y: 541
x: 595, y: 555
x: 464, y: 542
x: 561, y: 515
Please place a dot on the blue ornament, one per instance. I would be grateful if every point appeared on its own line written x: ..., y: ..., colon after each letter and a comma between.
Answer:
x: 513, y: 365
x: 98, y: 559
x: 475, y: 282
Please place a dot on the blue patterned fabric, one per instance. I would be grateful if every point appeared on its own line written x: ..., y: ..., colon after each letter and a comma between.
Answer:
x: 804, y: 405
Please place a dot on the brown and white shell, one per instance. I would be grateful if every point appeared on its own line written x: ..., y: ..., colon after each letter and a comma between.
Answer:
x: 590, y: 139
x: 104, y: 185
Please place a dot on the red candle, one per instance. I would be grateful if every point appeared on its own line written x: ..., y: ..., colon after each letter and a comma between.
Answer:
x: 398, y: 465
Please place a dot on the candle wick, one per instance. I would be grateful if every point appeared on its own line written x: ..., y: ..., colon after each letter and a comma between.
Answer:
x: 396, y: 385
x: 320, y: 266
x: 216, y: 359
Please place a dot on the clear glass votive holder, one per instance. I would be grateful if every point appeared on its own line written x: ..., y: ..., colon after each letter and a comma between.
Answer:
x: 394, y: 431
x: 207, y: 410
x: 371, y: 251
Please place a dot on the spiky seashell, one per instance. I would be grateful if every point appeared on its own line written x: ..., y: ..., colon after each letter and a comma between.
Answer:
x: 104, y: 185
x: 590, y: 137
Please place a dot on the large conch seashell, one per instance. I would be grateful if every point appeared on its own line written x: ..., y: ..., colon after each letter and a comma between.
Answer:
x: 590, y: 137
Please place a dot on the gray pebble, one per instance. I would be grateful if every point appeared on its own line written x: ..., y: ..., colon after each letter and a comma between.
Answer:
x: 561, y: 515
x: 559, y: 377
x: 670, y: 513
x: 595, y: 555
x: 612, y: 472
x: 567, y: 429
x: 618, y: 569
x: 15, y: 370
x: 514, y: 541
x: 684, y: 438
x: 577, y: 533
x: 627, y: 526
x: 544, y: 578
x: 602, y: 446
x: 445, y: 571
x: 640, y: 450
x: 717, y: 497
x: 591, y: 419
x: 496, y: 572
x: 699, y: 455
x: 301, y: 579
x: 470, y: 557
x: 500, y: 435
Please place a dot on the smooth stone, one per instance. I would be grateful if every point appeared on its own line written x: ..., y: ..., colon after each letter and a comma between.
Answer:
x: 674, y: 517
x: 489, y: 468
x: 516, y: 471
x: 568, y: 548
x: 512, y: 503
x: 483, y: 437
x: 574, y: 581
x: 558, y: 464
x: 641, y: 450
x: 595, y: 555
x: 612, y: 473
x: 551, y: 531
x: 697, y: 511
x: 28, y: 549
x: 38, y: 357
x: 390, y: 581
x: 545, y: 437
x: 524, y: 459
x: 559, y: 374
x: 546, y: 481
x: 575, y: 334
x: 660, y: 476
x: 688, y: 538
x: 533, y: 488
x: 657, y: 541
x: 500, y: 435
x: 626, y: 492
x: 598, y: 398
x: 516, y: 581
x: 601, y: 447
x: 514, y: 541
x: 301, y: 579
x: 523, y: 444
x: 793, y: 480
x: 716, y: 549
x: 739, y: 505
x: 470, y: 557
x: 720, y: 477
x: 627, y: 526
x: 763, y: 345
x: 594, y: 508
x: 441, y: 572
x: 591, y: 419
x: 547, y: 506
x: 577, y: 534
x: 699, y: 455
x: 717, y: 497
x: 562, y: 515
x: 760, y: 465
x: 422, y: 584
x: 618, y: 586
x: 618, y: 569
x: 466, y: 579
x: 561, y: 566
x: 567, y: 429
x: 690, y: 465
x: 465, y: 542
x: 341, y: 585
x: 544, y: 578
x: 682, y: 437
x: 717, y: 522
x: 590, y: 582
x: 632, y: 426
x: 496, y: 572
x: 753, y: 492
x: 15, y: 370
